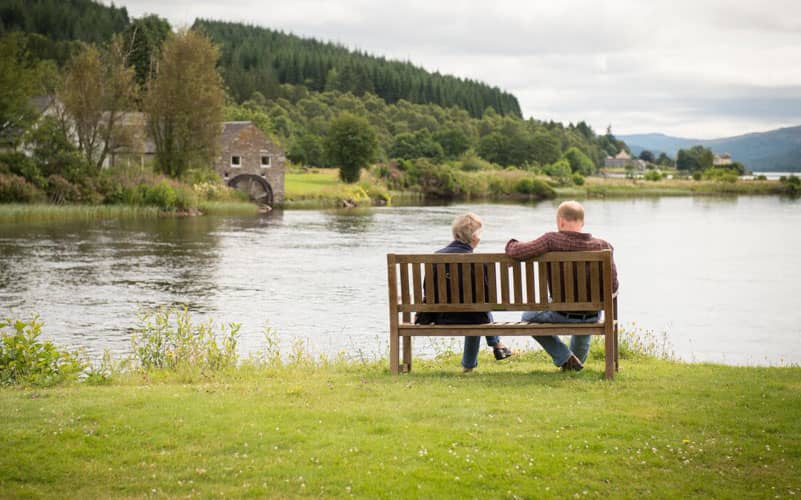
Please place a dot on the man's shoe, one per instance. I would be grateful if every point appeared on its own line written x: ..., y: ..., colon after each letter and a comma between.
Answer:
x: 572, y: 364
x: 501, y: 352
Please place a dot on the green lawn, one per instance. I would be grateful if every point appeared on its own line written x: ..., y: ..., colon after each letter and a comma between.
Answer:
x: 512, y: 429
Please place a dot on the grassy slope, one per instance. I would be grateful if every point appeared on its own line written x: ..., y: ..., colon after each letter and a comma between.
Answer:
x: 516, y: 428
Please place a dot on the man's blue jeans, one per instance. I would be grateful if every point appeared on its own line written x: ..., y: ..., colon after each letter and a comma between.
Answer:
x: 471, y: 344
x: 553, y: 345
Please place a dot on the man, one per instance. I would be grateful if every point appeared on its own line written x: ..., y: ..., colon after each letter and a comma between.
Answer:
x: 466, y: 231
x: 568, y: 238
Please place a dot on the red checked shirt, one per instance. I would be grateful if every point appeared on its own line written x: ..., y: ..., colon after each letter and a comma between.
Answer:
x: 562, y: 241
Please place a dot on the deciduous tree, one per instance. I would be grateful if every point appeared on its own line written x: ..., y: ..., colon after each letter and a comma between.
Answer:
x: 351, y: 144
x: 97, y: 89
x: 184, y: 103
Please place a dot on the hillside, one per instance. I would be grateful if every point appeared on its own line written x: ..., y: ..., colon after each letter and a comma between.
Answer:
x: 774, y: 150
x: 260, y: 59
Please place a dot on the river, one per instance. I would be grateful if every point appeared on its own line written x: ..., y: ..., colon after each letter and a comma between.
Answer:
x: 718, y: 277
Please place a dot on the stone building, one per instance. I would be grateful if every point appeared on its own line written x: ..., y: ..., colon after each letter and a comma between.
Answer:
x: 622, y: 160
x: 251, y: 162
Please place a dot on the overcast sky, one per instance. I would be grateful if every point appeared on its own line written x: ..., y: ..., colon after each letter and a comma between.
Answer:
x: 692, y: 68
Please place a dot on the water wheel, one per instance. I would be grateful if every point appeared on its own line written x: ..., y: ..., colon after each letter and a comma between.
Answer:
x: 257, y: 188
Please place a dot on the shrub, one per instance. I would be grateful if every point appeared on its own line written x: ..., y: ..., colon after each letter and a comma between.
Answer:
x: 577, y: 179
x: 14, y: 188
x: 26, y: 359
x: 474, y: 164
x: 697, y: 175
x: 720, y: 174
x: 792, y: 184
x: 160, y: 194
x: 60, y: 190
x: 534, y: 187
x: 653, y: 175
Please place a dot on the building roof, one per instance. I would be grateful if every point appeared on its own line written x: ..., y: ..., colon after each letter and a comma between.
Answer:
x: 622, y: 155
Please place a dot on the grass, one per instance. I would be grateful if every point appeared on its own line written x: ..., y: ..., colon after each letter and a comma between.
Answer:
x: 228, y: 208
x: 597, y: 186
x: 322, y: 187
x: 21, y: 212
x: 517, y: 429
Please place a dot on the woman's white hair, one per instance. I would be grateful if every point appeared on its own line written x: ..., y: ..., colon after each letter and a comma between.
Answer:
x: 466, y: 226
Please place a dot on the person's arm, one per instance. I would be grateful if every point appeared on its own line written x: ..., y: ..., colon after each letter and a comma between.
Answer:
x: 526, y: 250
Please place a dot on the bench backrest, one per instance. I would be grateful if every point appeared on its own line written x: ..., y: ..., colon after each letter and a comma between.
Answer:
x: 564, y: 281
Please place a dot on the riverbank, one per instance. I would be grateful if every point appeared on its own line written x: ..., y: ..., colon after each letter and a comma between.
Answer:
x: 317, y: 188
x: 344, y: 428
x: 24, y: 212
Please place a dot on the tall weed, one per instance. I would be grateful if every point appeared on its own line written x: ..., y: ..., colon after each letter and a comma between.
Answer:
x: 168, y: 338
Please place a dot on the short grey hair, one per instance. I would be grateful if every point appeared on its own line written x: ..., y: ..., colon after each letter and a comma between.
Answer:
x: 466, y: 226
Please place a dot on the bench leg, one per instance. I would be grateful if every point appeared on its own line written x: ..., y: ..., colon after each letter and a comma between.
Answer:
x: 609, y: 354
x: 407, y: 353
x: 394, y: 355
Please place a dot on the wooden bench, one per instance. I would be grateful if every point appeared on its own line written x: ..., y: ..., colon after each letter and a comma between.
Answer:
x: 559, y: 281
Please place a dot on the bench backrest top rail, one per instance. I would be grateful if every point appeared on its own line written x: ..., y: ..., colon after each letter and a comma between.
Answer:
x: 567, y: 281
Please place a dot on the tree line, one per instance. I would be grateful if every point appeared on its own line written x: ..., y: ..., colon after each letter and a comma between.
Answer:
x: 260, y: 59
x: 315, y: 93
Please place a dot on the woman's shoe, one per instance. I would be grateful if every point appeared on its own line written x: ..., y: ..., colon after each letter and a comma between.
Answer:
x: 501, y: 352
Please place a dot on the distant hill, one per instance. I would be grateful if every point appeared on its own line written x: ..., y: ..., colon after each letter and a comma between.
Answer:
x: 775, y: 150
x: 260, y: 59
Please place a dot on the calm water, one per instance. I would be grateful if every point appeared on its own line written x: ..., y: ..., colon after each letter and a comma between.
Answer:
x: 719, y: 276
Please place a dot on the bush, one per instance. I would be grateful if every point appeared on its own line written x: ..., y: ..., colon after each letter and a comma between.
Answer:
x: 26, y: 359
x: 474, y: 164
x: 160, y: 194
x: 720, y: 174
x: 653, y: 175
x: 534, y: 187
x: 19, y: 164
x: 578, y: 179
x: 60, y: 190
x: 697, y: 175
x: 792, y: 184
x: 560, y: 171
x: 14, y: 188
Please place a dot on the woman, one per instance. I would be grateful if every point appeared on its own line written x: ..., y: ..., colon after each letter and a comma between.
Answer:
x: 466, y: 236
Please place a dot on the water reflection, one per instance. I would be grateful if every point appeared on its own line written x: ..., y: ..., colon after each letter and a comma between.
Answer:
x: 688, y: 266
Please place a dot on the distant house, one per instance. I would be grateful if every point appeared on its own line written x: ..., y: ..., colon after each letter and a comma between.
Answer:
x: 622, y: 160
x: 722, y: 160
x: 251, y: 162
x: 132, y: 144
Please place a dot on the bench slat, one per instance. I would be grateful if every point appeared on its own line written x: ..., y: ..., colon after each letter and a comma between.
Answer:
x: 452, y: 271
x: 569, y: 288
x: 504, y: 284
x: 530, y: 297
x: 493, y: 285
x: 581, y: 281
x: 518, y: 283
x: 404, y: 281
x: 542, y: 281
x: 481, y: 291
x: 556, y: 281
x: 467, y: 280
x: 416, y: 283
x: 595, y: 281
x: 442, y: 289
x: 429, y: 293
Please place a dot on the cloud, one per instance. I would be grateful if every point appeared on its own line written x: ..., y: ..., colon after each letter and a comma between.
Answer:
x: 694, y: 68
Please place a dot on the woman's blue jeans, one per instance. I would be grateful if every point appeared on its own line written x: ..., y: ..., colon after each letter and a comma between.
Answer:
x: 553, y: 345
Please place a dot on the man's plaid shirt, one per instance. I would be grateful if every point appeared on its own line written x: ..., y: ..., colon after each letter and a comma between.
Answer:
x: 562, y: 241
